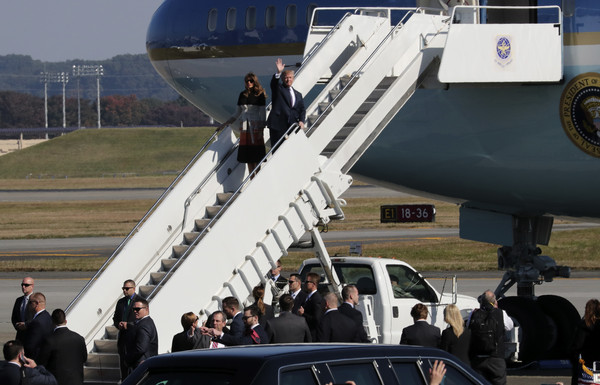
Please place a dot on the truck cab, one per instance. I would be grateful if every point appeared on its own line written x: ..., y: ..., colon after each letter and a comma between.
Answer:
x: 388, y: 289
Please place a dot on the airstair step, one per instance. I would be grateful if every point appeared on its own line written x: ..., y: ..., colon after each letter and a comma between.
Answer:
x: 334, y: 93
x: 178, y: 251
x: 168, y: 263
x: 111, y: 332
x: 158, y: 276
x: 366, y: 106
x: 189, y: 238
x: 202, y: 223
x: 386, y: 82
x: 104, y: 360
x: 345, y: 80
x: 356, y: 118
x: 323, y: 106
x: 145, y: 290
x: 333, y: 145
x: 101, y: 375
x: 211, y: 211
x: 223, y: 197
x: 106, y: 346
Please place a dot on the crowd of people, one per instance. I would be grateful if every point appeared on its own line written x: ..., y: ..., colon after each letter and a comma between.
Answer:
x: 44, y: 351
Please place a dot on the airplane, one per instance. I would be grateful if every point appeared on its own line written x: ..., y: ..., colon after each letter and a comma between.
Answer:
x: 512, y: 153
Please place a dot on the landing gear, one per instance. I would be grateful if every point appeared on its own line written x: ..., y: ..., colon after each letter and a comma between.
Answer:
x: 546, y: 323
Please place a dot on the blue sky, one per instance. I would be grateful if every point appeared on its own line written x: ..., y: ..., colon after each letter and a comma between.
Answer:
x: 57, y: 30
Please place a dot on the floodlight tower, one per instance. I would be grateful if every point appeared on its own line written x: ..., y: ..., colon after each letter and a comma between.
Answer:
x: 88, y: 70
x: 54, y: 77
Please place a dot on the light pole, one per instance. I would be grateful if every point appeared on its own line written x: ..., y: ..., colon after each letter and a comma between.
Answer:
x: 54, y: 77
x: 88, y: 70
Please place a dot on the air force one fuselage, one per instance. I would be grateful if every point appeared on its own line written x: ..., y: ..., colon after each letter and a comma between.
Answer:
x: 512, y: 154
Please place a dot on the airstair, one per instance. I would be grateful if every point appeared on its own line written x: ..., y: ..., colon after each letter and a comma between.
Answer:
x: 216, y: 232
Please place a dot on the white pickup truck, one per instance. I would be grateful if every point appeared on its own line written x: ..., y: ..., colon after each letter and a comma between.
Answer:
x: 388, y: 289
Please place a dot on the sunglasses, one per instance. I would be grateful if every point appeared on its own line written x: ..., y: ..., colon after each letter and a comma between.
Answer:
x: 247, y: 316
x: 26, y: 284
x: 127, y: 288
x: 137, y: 308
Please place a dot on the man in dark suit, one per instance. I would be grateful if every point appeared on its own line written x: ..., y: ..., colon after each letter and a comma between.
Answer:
x: 19, y: 369
x: 64, y: 352
x: 287, y: 104
x: 39, y: 328
x: 312, y: 308
x: 122, y: 318
x: 334, y: 326
x: 350, y: 297
x: 421, y: 333
x: 143, y: 343
x: 21, y: 311
x: 280, y: 284
x: 253, y: 334
x: 296, y: 292
x: 288, y: 327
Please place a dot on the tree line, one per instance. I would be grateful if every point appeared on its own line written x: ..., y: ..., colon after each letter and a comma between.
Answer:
x: 23, y: 110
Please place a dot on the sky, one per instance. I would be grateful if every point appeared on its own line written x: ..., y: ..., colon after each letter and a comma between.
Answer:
x: 58, y: 30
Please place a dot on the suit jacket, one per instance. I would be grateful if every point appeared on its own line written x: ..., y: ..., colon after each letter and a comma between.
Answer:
x: 349, y: 311
x: 124, y: 312
x: 237, y: 328
x: 63, y: 354
x: 10, y: 374
x: 246, y: 338
x: 312, y: 313
x: 288, y: 328
x: 422, y: 334
x: 459, y: 346
x: 16, y: 316
x: 181, y: 341
x: 38, y: 329
x: 143, y: 343
x: 299, y: 301
x: 336, y: 327
x: 283, y: 114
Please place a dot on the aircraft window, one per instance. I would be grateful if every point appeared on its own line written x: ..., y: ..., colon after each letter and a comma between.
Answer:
x: 291, y: 16
x: 212, y: 20
x: 270, y: 17
x: 309, y: 12
x: 231, y: 19
x: 251, y: 18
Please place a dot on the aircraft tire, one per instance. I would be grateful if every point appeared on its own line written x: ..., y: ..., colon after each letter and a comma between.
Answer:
x: 535, y: 331
x: 565, y: 318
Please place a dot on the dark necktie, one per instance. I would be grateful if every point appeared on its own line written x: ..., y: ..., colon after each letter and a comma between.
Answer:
x: 23, y: 308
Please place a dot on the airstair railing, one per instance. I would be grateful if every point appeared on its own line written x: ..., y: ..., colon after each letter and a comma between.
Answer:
x: 312, y: 53
x: 294, y: 127
x: 143, y: 220
x: 367, y: 61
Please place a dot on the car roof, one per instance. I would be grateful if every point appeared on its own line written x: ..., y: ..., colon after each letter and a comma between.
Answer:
x: 309, y: 352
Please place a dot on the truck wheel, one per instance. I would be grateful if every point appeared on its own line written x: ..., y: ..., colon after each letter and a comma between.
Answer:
x: 565, y: 317
x: 535, y: 332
